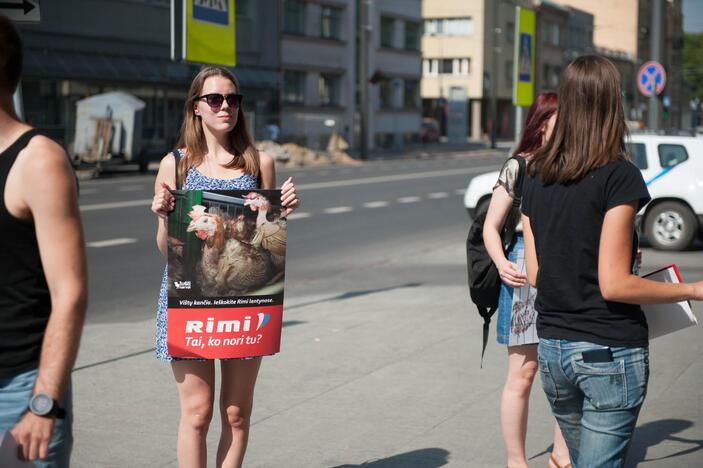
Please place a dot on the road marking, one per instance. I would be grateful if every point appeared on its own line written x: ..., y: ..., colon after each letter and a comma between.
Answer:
x: 88, y: 191
x: 438, y: 195
x: 112, y: 242
x: 376, y: 204
x: 112, y: 205
x: 397, y: 177
x: 339, y: 209
x: 460, y: 191
x: 322, y: 185
x: 409, y: 199
x: 130, y: 188
x: 299, y: 215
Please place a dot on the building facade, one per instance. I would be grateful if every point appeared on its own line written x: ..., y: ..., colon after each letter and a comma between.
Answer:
x: 87, y: 47
x: 318, y: 46
x: 394, y: 65
x: 552, y: 37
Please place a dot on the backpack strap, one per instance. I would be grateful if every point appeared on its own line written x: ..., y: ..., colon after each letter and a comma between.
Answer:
x: 486, y: 313
x: 520, y: 180
x: 177, y: 156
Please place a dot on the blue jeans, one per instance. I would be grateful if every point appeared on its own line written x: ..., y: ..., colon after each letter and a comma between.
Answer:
x: 14, y: 398
x: 596, y: 404
x: 505, y: 298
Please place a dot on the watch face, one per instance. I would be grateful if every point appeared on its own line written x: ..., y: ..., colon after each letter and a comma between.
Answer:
x: 41, y: 404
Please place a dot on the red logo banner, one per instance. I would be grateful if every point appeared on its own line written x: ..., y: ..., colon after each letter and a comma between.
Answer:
x: 221, y: 333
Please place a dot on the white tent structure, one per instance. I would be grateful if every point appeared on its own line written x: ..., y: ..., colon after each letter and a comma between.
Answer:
x: 126, y: 114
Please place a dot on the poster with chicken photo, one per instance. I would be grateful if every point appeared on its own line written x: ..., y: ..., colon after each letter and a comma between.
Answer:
x: 226, y: 268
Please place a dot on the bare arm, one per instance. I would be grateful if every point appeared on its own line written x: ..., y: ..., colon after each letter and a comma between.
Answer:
x: 617, y: 283
x: 498, y: 210
x: 49, y: 196
x: 289, y: 198
x: 163, y: 201
x: 531, y: 263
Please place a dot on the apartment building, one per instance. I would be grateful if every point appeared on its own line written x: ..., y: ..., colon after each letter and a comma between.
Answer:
x: 394, y: 64
x: 318, y: 47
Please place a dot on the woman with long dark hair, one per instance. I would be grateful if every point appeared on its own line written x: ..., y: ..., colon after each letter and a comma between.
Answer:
x: 579, y: 208
x: 216, y: 153
x: 516, y: 325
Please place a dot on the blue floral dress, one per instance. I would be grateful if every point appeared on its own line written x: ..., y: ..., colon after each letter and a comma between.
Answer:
x: 194, y: 181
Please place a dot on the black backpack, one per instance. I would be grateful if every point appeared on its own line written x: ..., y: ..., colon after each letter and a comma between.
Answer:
x: 484, y: 281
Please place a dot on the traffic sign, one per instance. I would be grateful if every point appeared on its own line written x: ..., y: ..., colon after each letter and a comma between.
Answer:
x: 651, y: 79
x: 21, y: 11
x: 203, y: 31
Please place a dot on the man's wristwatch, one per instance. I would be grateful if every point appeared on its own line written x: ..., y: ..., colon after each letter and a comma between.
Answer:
x: 43, y: 405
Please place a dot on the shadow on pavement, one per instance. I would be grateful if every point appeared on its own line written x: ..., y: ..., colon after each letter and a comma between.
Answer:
x: 656, y: 432
x: 353, y: 294
x: 423, y: 458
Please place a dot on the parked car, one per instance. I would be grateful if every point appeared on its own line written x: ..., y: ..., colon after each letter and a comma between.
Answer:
x: 672, y: 167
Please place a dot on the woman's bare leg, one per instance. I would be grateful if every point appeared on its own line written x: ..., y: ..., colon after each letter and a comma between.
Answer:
x: 195, y: 381
x: 522, y: 367
x: 236, y: 401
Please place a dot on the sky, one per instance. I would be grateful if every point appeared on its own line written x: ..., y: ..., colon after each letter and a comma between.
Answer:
x: 693, y: 16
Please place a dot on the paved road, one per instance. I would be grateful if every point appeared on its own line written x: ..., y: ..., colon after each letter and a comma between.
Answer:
x: 379, y: 362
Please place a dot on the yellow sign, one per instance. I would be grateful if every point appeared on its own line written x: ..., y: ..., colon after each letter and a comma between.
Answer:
x: 524, y: 81
x: 209, y: 32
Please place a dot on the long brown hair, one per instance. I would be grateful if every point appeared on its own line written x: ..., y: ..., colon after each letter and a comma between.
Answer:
x: 590, y: 130
x: 192, y: 137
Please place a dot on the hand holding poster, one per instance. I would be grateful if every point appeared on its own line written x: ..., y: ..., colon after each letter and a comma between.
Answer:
x: 226, y: 268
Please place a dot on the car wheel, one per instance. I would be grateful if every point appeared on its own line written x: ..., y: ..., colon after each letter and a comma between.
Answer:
x: 671, y: 226
x: 482, y: 207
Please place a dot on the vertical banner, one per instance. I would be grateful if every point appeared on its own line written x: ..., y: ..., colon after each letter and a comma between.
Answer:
x: 524, y: 78
x: 226, y: 269
x: 203, y: 31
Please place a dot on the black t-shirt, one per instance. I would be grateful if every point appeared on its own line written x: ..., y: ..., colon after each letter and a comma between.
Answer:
x: 566, y: 222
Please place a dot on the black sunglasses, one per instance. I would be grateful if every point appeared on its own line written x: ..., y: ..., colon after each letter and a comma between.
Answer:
x: 215, y: 100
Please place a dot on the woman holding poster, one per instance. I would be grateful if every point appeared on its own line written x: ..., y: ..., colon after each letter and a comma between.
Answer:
x: 579, y: 207
x: 214, y: 152
x: 516, y: 310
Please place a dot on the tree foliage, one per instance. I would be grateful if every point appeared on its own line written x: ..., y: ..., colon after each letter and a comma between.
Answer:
x: 693, y: 63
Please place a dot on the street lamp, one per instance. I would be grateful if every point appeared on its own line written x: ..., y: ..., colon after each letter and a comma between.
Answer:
x: 440, y: 99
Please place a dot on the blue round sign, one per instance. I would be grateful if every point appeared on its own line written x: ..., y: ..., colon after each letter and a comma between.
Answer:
x: 651, y: 79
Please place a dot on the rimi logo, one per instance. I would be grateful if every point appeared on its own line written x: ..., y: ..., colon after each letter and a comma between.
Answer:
x: 211, y: 11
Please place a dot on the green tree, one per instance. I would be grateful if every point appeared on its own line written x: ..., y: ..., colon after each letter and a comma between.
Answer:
x: 693, y: 63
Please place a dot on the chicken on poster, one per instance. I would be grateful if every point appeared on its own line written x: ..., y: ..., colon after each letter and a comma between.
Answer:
x: 226, y: 270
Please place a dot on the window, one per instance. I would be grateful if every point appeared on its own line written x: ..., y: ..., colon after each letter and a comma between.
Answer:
x: 294, y: 87
x: 411, y: 94
x: 331, y: 23
x: 551, y: 34
x: 241, y: 7
x: 638, y: 153
x: 387, y: 31
x: 465, y: 66
x: 509, y: 72
x: 294, y: 20
x: 446, y: 66
x: 510, y: 33
x: 385, y: 94
x: 329, y: 88
x: 412, y: 36
x: 672, y: 155
x: 449, y: 27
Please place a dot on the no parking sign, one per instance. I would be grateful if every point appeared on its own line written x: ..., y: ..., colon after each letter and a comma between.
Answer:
x: 651, y: 79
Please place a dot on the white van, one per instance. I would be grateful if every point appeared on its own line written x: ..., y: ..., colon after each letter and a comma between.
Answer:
x: 672, y: 167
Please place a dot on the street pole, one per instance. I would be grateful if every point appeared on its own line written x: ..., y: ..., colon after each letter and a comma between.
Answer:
x: 363, y: 78
x: 494, y: 75
x: 655, y: 46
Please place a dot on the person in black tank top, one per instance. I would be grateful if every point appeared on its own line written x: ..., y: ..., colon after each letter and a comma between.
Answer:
x: 42, y: 278
x: 579, y: 207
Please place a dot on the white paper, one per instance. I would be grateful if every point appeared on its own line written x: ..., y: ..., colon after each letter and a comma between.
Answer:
x: 663, y: 319
x: 523, y: 316
x: 9, y: 452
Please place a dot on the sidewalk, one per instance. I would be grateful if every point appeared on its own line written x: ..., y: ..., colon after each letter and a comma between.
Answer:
x: 385, y: 378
